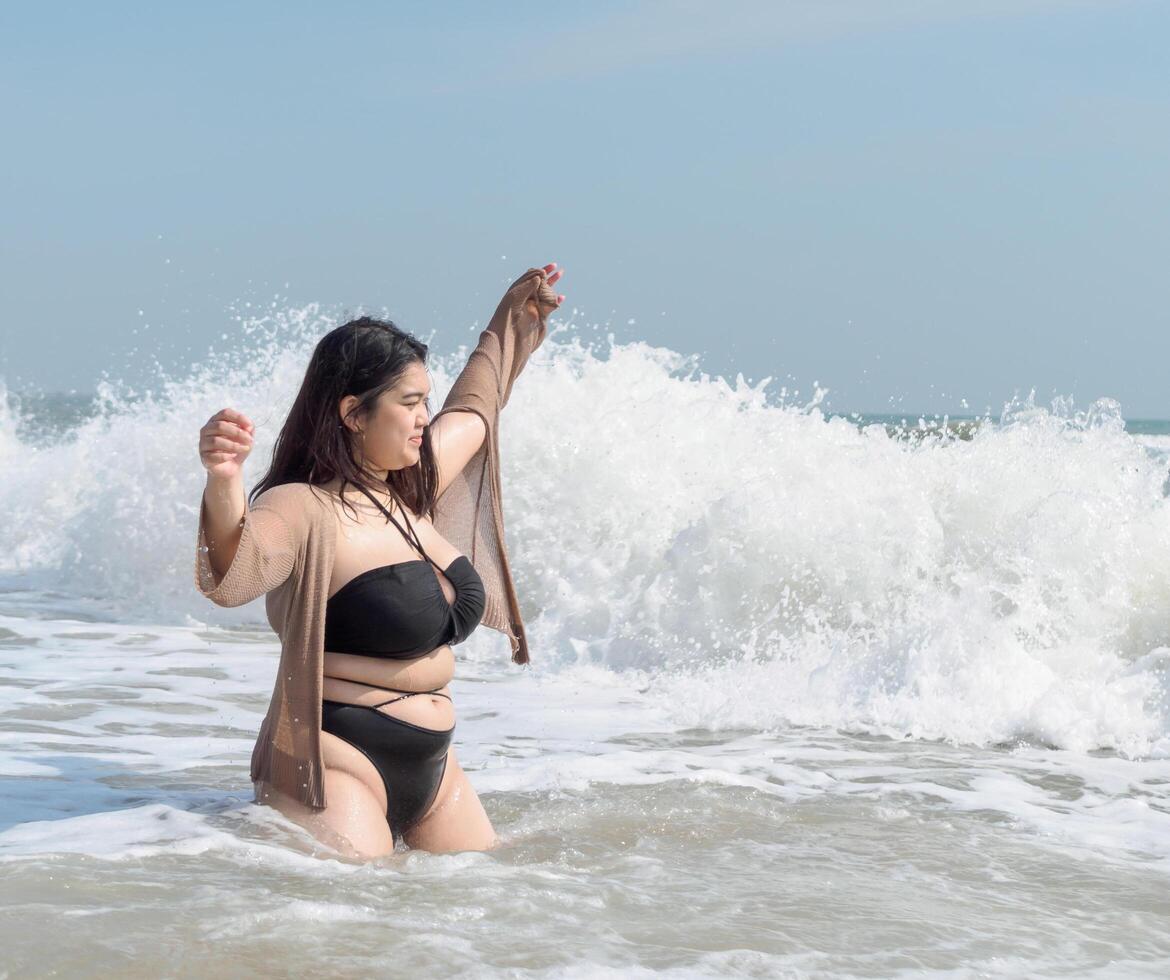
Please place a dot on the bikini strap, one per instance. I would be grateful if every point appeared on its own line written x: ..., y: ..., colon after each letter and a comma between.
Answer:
x: 417, y: 540
x: 408, y: 694
x: 411, y: 537
x: 397, y: 690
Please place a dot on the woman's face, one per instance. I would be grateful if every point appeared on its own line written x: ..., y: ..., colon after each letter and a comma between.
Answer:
x: 393, y: 428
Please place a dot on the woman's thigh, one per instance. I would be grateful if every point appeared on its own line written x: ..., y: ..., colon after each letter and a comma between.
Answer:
x: 353, y: 821
x: 456, y: 820
x: 340, y: 755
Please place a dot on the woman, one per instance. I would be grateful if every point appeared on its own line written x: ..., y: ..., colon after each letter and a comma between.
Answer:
x: 378, y: 542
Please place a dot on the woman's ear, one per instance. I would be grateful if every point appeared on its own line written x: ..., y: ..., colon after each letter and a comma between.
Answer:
x: 344, y: 407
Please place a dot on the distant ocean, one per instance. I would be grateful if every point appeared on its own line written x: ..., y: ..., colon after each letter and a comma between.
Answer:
x: 811, y: 695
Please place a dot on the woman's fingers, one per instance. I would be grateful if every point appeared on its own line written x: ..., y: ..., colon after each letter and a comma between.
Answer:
x: 222, y: 437
x: 231, y: 415
x: 225, y: 444
x: 220, y: 445
x: 229, y: 430
x: 233, y: 430
x: 222, y: 453
x: 227, y: 438
x: 534, y: 288
x: 552, y: 274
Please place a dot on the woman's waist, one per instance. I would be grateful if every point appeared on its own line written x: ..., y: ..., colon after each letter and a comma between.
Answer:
x: 426, y: 673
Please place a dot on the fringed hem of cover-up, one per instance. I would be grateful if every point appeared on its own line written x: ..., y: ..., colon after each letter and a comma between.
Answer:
x: 495, y: 616
x: 299, y: 779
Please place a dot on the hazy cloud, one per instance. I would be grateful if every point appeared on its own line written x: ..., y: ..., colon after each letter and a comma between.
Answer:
x: 664, y: 30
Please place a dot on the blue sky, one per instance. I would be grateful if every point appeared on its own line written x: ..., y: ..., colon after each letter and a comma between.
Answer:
x: 914, y: 203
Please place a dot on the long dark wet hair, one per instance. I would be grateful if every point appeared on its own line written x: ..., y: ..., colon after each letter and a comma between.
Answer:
x: 363, y: 357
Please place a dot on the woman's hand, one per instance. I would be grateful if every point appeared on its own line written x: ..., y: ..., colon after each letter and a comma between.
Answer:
x: 552, y: 274
x: 534, y: 293
x: 225, y: 442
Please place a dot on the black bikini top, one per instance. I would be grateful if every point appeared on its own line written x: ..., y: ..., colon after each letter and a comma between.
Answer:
x: 399, y: 611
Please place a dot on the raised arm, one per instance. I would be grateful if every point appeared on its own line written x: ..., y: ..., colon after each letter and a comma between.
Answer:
x: 241, y: 552
x: 459, y: 430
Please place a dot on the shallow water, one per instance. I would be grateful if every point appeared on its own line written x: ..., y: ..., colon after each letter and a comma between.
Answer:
x: 628, y: 842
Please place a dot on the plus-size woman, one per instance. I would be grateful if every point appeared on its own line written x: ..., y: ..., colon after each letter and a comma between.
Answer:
x: 377, y: 538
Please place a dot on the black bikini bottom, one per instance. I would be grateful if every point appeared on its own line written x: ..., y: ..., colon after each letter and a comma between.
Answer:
x: 410, y: 759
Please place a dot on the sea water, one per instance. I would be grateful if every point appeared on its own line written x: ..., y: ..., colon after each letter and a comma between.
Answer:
x: 810, y: 695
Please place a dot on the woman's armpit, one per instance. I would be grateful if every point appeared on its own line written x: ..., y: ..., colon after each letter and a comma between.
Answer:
x: 456, y: 435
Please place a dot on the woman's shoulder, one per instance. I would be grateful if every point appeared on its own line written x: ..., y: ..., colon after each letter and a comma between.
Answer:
x: 296, y: 503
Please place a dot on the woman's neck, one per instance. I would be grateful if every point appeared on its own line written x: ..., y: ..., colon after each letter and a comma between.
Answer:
x: 378, y: 490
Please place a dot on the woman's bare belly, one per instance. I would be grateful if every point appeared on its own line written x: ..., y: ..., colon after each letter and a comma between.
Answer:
x: 430, y: 672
